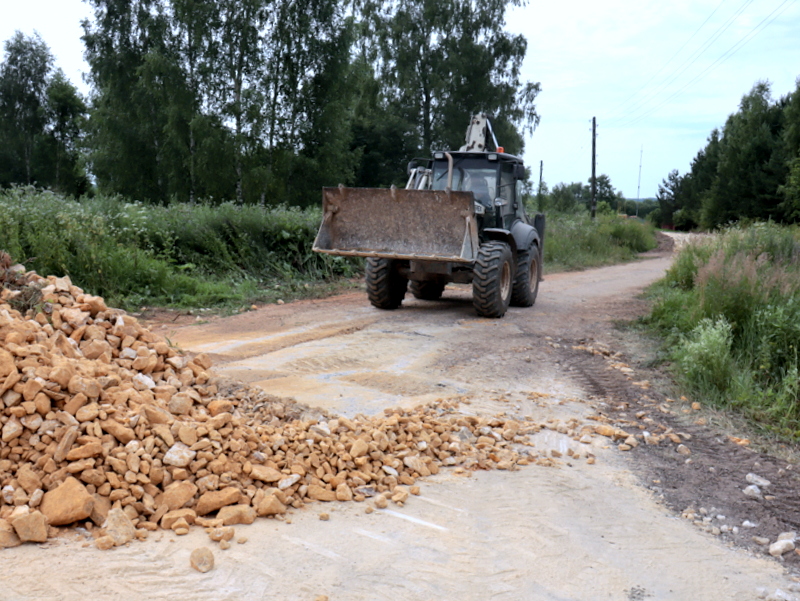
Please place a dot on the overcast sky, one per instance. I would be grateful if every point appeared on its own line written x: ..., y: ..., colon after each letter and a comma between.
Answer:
x: 650, y: 71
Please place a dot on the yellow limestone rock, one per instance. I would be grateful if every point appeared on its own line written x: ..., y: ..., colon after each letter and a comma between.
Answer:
x: 215, y: 499
x: 270, y: 505
x: 69, y: 502
x: 31, y: 527
x: 236, y: 514
x: 8, y: 536
x: 119, y: 527
x: 202, y: 559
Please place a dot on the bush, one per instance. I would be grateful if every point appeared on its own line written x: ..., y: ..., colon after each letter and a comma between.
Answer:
x: 574, y: 241
x: 730, y: 308
x: 705, y: 356
x: 182, y: 254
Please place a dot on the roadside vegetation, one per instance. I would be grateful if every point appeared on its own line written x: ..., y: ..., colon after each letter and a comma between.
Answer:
x: 182, y: 255
x: 749, y: 169
x: 574, y: 241
x: 729, y: 310
x: 193, y: 255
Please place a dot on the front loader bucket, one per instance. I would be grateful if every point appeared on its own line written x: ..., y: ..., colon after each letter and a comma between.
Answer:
x: 434, y: 225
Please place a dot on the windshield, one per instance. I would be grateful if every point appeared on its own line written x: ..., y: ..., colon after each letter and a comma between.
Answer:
x: 468, y: 175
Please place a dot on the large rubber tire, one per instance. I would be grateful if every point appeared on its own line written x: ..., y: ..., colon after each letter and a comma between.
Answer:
x: 430, y: 290
x: 526, y: 282
x: 386, y: 288
x: 492, y: 279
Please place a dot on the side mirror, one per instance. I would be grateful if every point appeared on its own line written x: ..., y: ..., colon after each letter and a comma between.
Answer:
x: 519, y: 171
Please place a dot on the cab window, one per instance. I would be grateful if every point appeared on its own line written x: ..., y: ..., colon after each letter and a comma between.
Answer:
x: 507, y: 189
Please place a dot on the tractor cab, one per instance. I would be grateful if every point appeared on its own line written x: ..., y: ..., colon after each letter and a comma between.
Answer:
x: 494, y: 178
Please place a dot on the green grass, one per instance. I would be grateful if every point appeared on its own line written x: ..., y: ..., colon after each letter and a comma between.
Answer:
x: 182, y: 255
x: 574, y: 241
x: 228, y: 256
x: 729, y: 311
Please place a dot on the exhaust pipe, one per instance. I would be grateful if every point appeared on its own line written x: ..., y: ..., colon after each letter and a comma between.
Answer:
x: 449, y: 171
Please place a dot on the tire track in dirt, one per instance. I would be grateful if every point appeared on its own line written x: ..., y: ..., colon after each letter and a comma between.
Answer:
x: 715, y: 474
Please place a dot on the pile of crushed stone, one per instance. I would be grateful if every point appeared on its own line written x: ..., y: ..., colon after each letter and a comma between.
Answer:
x: 105, y: 425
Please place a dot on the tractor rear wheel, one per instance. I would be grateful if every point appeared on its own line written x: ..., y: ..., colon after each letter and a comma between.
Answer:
x: 429, y: 290
x: 492, y: 279
x: 526, y: 282
x: 386, y: 287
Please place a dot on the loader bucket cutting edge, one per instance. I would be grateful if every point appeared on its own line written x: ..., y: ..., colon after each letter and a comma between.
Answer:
x: 433, y: 225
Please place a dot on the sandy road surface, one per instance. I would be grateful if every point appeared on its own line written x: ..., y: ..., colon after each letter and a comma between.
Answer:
x: 572, y: 532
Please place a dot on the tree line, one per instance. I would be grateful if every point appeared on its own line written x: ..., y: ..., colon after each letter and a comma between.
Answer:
x: 259, y: 101
x: 748, y: 170
x: 576, y: 197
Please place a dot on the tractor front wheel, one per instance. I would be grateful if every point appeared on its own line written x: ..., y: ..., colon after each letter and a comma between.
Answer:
x: 492, y: 279
x: 386, y: 287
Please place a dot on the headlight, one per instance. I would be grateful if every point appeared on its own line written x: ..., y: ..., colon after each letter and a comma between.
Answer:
x: 479, y: 208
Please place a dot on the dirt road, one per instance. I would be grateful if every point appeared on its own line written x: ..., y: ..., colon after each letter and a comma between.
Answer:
x: 577, y: 531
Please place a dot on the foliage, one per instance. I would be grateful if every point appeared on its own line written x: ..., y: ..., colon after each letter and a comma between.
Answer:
x: 41, y: 115
x: 185, y: 255
x: 574, y: 241
x: 729, y: 309
x: 705, y: 357
x: 747, y: 171
x: 441, y: 61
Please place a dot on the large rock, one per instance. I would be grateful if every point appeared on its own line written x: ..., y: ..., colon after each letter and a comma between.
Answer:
x: 344, y: 492
x: 780, y: 547
x: 188, y: 515
x: 118, y: 431
x: 220, y: 406
x: 179, y: 455
x: 69, y: 502
x: 65, y: 444
x: 87, y: 386
x: 90, y: 449
x: 119, y: 527
x: 359, y: 448
x: 7, y: 365
x: 236, y: 514
x: 31, y: 527
x: 265, y: 473
x: 270, y: 505
x: 102, y: 505
x: 215, y: 499
x: 12, y: 429
x: 28, y: 479
x: 8, y: 536
x: 180, y: 404
x: 177, y: 495
x: 319, y: 493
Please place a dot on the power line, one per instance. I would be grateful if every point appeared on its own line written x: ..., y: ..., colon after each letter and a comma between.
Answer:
x: 686, y: 64
x: 664, y: 66
x: 765, y: 22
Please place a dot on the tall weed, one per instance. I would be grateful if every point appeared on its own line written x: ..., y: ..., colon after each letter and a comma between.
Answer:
x: 749, y: 280
x: 574, y: 241
x: 182, y: 254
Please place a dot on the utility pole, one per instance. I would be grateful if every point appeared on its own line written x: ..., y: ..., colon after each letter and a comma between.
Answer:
x: 594, y: 178
x: 639, y: 184
x: 539, y: 192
